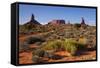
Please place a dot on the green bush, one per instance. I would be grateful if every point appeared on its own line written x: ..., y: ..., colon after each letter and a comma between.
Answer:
x: 68, y: 45
x: 70, y: 48
x: 74, y: 45
x: 53, y: 45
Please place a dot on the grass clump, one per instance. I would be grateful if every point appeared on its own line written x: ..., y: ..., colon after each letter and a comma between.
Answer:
x: 68, y: 45
x: 53, y: 45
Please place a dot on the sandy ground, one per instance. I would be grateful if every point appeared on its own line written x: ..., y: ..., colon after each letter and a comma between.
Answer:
x: 26, y: 57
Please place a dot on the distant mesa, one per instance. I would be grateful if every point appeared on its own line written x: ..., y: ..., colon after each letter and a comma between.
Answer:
x: 32, y: 21
x: 57, y: 22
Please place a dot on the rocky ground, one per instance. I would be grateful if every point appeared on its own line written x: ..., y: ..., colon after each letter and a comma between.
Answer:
x: 26, y: 57
x: 32, y: 40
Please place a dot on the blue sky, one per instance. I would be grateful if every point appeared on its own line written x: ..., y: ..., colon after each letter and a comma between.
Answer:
x: 44, y: 14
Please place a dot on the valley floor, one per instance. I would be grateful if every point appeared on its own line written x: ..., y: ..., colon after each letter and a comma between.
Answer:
x: 26, y: 57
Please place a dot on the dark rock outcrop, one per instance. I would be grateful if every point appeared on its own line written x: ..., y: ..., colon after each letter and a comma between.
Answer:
x: 83, y: 22
x: 32, y: 21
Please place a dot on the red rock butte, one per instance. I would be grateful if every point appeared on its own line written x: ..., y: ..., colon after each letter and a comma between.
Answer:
x: 57, y: 22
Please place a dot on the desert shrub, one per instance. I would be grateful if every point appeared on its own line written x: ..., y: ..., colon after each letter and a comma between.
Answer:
x: 39, y: 53
x: 68, y: 45
x: 74, y: 44
x: 43, y: 53
x: 82, y: 40
x: 37, y: 59
x: 53, y: 45
x: 32, y: 40
x: 23, y: 46
x: 56, y: 57
x: 91, y: 44
x: 25, y: 29
x: 81, y: 46
x: 49, y: 54
x: 46, y: 35
x: 77, y: 25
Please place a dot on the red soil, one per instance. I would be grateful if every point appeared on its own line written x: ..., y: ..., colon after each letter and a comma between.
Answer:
x: 26, y: 57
